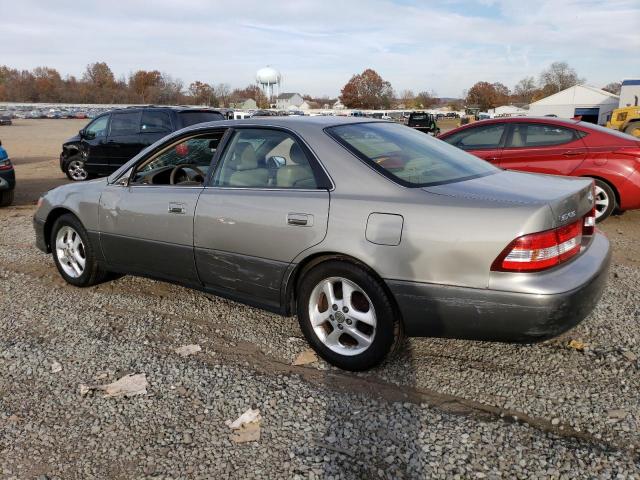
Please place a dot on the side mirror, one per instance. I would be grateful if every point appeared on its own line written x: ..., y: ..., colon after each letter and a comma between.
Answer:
x: 81, y: 133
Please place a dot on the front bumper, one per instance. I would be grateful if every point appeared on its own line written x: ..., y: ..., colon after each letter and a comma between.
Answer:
x: 41, y: 242
x: 431, y: 310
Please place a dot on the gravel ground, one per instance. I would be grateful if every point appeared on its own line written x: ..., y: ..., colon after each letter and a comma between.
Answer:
x: 442, y: 409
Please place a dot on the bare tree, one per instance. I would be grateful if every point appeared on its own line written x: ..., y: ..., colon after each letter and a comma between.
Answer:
x: 559, y: 76
x: 613, y: 87
x: 525, y: 90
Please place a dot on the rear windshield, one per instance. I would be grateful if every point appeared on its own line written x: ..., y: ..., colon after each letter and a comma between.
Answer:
x: 191, y: 118
x: 409, y: 157
x: 418, y: 117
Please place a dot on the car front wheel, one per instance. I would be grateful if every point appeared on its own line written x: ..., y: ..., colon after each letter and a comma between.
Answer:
x: 73, y: 254
x: 346, y: 316
x: 605, y: 200
x: 76, y: 169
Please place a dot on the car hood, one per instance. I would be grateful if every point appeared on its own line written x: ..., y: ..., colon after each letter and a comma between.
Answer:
x: 74, y: 139
x: 568, y: 197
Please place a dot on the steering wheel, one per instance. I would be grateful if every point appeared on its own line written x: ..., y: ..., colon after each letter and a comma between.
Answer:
x: 184, y: 166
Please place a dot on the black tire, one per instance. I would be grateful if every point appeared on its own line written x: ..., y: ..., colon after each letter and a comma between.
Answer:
x: 92, y: 273
x: 6, y: 198
x: 608, y: 192
x: 73, y: 168
x: 633, y: 129
x: 388, y: 331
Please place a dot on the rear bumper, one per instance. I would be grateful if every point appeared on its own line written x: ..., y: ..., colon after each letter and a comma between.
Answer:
x: 431, y: 310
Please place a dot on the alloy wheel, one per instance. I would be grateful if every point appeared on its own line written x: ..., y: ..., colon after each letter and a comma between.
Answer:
x: 77, y: 171
x: 601, y: 202
x: 342, y: 316
x: 70, y: 252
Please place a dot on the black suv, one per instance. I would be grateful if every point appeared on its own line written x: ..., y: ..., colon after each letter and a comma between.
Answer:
x: 424, y: 122
x: 115, y: 137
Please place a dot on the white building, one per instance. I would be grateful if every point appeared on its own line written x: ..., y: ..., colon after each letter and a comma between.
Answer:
x: 592, y: 104
x: 286, y: 100
x: 507, y: 111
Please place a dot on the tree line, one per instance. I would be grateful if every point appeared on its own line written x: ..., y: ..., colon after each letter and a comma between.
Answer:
x: 369, y: 90
x: 98, y: 84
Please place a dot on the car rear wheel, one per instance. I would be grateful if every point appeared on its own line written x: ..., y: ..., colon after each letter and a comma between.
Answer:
x: 346, y: 316
x: 605, y: 200
x: 73, y: 254
x: 633, y: 129
x: 76, y: 169
x: 6, y: 198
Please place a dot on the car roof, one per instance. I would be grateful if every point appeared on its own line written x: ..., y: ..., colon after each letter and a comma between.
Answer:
x: 176, y: 108
x: 292, y: 122
x: 490, y: 121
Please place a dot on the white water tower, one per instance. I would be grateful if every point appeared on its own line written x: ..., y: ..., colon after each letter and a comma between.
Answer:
x: 268, y: 78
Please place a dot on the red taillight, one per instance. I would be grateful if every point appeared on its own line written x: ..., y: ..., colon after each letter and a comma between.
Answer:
x: 589, y: 222
x: 539, y: 251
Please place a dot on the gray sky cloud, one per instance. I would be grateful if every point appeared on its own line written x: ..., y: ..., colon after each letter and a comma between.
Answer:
x: 317, y: 45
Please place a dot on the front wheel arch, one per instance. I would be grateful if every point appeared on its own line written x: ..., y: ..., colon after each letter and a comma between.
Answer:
x: 51, y: 219
x: 293, y: 281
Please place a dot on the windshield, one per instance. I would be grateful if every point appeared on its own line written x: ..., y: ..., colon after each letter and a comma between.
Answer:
x: 409, y: 157
x: 191, y: 118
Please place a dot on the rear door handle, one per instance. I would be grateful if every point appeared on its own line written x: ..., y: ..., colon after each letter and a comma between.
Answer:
x: 572, y: 153
x: 300, y: 219
x: 178, y: 208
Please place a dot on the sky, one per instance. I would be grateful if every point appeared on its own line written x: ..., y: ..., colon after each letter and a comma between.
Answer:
x: 444, y: 46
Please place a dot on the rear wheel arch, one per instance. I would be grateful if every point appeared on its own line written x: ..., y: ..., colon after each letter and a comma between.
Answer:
x: 293, y: 281
x: 608, y: 182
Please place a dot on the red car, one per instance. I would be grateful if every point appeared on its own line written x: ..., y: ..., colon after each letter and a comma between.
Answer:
x: 560, y: 147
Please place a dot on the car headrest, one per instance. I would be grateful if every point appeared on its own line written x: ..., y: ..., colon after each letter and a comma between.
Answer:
x: 246, y: 158
x: 296, y: 155
x: 292, y: 175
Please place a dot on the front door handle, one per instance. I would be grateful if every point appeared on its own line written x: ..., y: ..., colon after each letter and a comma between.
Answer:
x: 572, y: 153
x: 300, y: 219
x: 177, y: 208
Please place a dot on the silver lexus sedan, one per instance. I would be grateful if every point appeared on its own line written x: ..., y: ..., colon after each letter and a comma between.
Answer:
x: 366, y: 230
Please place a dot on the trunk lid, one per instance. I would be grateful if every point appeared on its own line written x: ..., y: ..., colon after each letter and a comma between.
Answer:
x: 568, y: 197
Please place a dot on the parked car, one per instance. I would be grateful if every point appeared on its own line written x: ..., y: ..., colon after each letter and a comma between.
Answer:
x: 560, y: 147
x: 421, y: 238
x: 114, y: 137
x: 423, y: 122
x: 5, y: 120
x: 7, y: 178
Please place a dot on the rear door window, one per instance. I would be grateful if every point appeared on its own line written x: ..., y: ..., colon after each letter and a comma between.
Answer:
x: 155, y: 122
x: 191, y: 118
x: 540, y: 135
x: 476, y: 138
x: 124, y: 124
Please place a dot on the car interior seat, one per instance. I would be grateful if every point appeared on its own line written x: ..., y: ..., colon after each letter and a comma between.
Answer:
x: 298, y: 173
x: 244, y: 170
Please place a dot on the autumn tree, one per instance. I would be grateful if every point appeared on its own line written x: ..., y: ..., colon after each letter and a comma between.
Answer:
x: 48, y: 84
x: 252, y: 91
x: 367, y: 90
x: 143, y: 82
x: 559, y: 76
x: 485, y: 95
x: 202, y: 93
